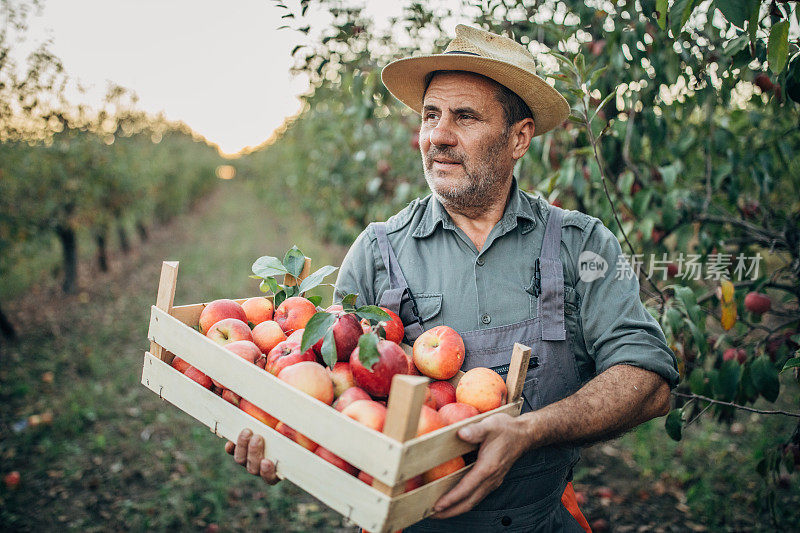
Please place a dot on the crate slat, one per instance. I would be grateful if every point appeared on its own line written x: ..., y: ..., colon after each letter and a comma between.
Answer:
x: 334, y: 486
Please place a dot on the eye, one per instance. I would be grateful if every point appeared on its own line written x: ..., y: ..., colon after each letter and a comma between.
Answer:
x: 466, y: 116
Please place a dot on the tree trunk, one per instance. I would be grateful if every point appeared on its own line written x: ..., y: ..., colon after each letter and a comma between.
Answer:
x: 6, y: 327
x: 141, y: 229
x: 70, y: 248
x: 124, y: 243
x: 102, y: 250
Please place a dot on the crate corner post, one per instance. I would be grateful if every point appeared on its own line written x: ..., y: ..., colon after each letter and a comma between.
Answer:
x: 517, y: 370
x: 165, y: 298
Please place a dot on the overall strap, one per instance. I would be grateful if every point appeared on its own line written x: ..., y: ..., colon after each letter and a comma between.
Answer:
x: 395, y: 295
x: 551, y: 299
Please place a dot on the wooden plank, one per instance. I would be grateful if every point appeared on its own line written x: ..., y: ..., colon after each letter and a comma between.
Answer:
x: 362, y: 447
x: 406, y: 396
x: 165, y: 298
x: 517, y: 370
x: 344, y: 493
x: 455, y: 379
x: 434, y: 448
x: 411, y: 507
x: 190, y: 314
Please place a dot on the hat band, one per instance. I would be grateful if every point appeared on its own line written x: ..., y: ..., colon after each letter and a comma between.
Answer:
x: 460, y: 52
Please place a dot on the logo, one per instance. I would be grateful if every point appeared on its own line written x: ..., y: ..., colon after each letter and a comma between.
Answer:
x: 591, y: 266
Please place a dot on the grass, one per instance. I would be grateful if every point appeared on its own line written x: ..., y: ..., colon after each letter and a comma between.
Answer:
x: 117, y: 458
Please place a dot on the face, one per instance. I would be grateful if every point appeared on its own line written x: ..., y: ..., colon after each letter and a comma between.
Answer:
x: 467, y: 152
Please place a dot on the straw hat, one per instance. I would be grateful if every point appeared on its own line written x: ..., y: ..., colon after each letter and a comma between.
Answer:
x: 494, y: 56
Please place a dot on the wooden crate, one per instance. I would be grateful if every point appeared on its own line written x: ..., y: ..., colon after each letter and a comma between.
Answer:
x: 391, y: 457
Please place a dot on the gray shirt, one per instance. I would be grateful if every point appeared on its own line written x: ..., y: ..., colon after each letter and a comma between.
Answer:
x: 457, y: 285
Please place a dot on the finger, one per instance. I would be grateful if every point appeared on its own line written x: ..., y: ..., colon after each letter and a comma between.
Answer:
x: 229, y: 447
x: 255, y: 452
x: 464, y: 505
x: 268, y: 472
x: 242, y: 442
x: 474, y: 433
x: 463, y: 490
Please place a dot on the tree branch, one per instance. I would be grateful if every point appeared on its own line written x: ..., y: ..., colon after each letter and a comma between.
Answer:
x: 736, y: 405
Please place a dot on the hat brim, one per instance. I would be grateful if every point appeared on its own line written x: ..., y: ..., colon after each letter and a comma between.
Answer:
x: 405, y: 79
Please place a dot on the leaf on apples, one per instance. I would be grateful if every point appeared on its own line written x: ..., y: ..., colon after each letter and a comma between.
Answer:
x: 727, y: 380
x: 368, y: 350
x: 267, y: 266
x: 279, y: 297
x: 765, y: 378
x: 316, y: 327
x: 373, y: 313
x: 316, y: 299
x: 294, y: 261
x: 380, y: 331
x: 349, y: 302
x: 328, y: 350
x: 674, y: 424
x: 272, y: 283
x: 794, y: 362
x: 316, y: 278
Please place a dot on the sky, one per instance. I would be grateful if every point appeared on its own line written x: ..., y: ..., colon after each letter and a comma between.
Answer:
x: 220, y: 66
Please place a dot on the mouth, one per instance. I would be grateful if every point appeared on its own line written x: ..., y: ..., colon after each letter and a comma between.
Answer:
x: 445, y: 162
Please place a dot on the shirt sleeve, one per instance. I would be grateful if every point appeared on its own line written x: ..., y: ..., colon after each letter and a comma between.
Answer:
x: 617, y: 328
x: 357, y: 273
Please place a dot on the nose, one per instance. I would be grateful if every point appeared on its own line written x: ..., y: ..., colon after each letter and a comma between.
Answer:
x: 442, y: 134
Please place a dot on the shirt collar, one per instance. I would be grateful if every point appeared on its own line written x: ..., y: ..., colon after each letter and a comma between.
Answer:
x: 518, y: 207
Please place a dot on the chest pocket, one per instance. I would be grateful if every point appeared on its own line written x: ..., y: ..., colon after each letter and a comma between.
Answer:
x: 429, y: 306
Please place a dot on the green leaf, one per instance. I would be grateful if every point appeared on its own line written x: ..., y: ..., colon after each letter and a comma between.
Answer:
x: 778, y: 46
x: 279, y: 297
x: 794, y: 362
x: 315, y: 329
x: 608, y: 97
x: 697, y: 383
x: 727, y: 380
x: 267, y: 266
x: 674, y: 424
x: 368, y: 350
x: 272, y: 284
x: 736, y: 11
x: 349, y: 302
x: 735, y: 45
x: 328, y: 350
x: 752, y: 22
x: 765, y: 378
x: 596, y: 75
x: 573, y: 118
x: 316, y: 278
x: 372, y: 313
x: 264, y: 286
x: 316, y: 299
x: 687, y: 12
x: 294, y: 261
x: 662, y: 6
x: 685, y: 296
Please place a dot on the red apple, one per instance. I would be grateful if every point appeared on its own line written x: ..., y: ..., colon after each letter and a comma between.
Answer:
x: 194, y: 374
x: 349, y: 396
x: 258, y: 309
x: 246, y: 350
x: 439, y: 352
x: 377, y: 380
x: 230, y: 396
x: 394, y: 328
x: 346, y: 331
x: 336, y: 460
x: 737, y: 354
x: 267, y: 335
x: 257, y: 413
x: 296, y: 436
x: 443, y: 393
x: 294, y: 313
x: 12, y: 479
x: 368, y: 412
x: 455, y: 412
x: 285, y: 354
x: 429, y: 420
x: 342, y: 378
x: 311, y: 378
x: 229, y: 330
x: 482, y: 388
x: 219, y: 310
x: 413, y: 483
x: 179, y: 364
x: 757, y: 303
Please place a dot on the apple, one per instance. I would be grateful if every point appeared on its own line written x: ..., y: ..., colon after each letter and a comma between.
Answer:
x: 342, y: 378
x: 12, y: 479
x: 482, y: 388
x: 286, y: 354
x: 439, y: 352
x: 429, y: 420
x: 737, y: 354
x: 311, y: 378
x: 219, y: 310
x: 411, y: 484
x: 258, y: 309
x: 231, y: 397
x: 267, y: 335
x: 455, y: 412
x: 443, y: 393
x: 179, y: 364
x: 346, y: 331
x: 368, y: 412
x: 229, y: 330
x: 757, y: 303
x: 336, y: 460
x: 195, y: 374
x: 378, y: 379
x: 296, y: 336
x: 349, y: 396
x: 257, y: 413
x: 294, y: 313
x: 296, y: 436
x: 444, y: 469
x: 394, y: 328
x: 246, y: 350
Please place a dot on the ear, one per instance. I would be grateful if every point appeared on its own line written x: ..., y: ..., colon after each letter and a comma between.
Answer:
x: 521, y: 135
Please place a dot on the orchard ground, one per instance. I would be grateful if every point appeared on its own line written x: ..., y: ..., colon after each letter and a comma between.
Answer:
x: 117, y: 457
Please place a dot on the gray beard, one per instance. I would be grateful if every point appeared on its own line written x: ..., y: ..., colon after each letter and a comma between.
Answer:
x: 486, y: 178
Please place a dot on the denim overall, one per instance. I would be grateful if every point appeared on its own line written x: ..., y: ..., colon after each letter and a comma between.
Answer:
x: 529, y: 499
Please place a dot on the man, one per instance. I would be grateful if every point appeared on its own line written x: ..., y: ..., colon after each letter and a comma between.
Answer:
x: 501, y: 266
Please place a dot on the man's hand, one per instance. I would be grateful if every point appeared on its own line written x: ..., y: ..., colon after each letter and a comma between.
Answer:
x: 249, y: 452
x: 502, y: 443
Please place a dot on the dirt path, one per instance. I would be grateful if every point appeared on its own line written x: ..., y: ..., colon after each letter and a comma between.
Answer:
x: 117, y: 458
